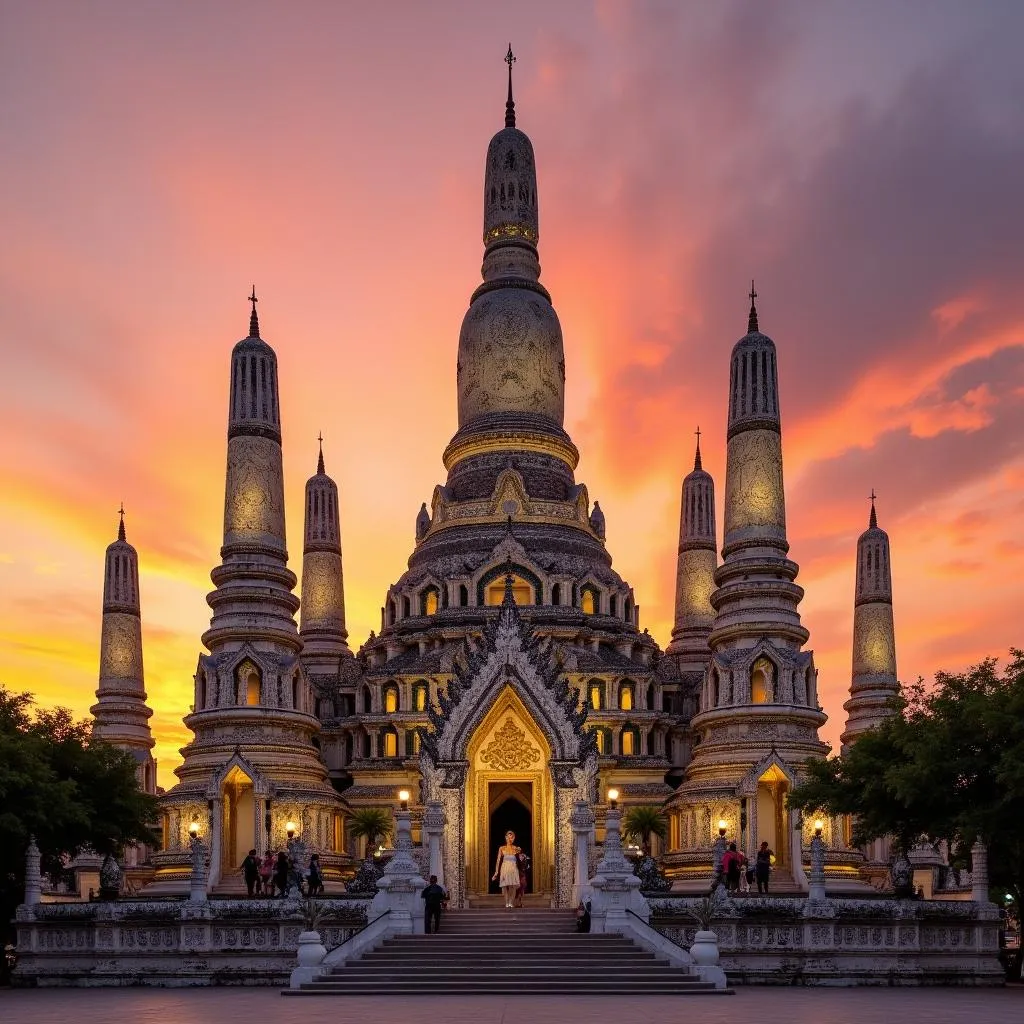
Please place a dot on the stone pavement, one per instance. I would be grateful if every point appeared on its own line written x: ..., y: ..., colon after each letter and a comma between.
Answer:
x: 749, y: 1006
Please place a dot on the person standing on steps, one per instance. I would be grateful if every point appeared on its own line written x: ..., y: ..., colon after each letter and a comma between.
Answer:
x: 506, y: 870
x: 523, y: 865
x: 434, y: 897
x: 763, y: 867
x: 251, y: 871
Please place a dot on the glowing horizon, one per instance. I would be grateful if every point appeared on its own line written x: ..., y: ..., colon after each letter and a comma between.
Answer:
x: 150, y: 182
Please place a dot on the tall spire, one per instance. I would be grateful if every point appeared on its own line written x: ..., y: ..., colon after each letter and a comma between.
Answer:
x: 254, y: 320
x: 121, y: 714
x: 510, y: 106
x: 322, y: 624
x: 752, y: 316
x: 695, y: 569
x: 873, y: 680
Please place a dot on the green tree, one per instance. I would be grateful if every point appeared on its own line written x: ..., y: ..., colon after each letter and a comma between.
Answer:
x: 948, y: 765
x: 65, y: 787
x: 643, y: 821
x: 372, y: 824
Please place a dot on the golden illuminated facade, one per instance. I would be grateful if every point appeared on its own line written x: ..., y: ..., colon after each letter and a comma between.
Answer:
x: 510, y: 677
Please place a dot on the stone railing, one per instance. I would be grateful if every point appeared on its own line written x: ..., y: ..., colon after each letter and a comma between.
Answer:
x: 170, y: 942
x: 796, y: 941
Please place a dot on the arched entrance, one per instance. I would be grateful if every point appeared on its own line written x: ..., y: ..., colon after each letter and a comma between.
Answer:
x: 511, y: 810
x: 508, y: 786
x: 238, y: 827
x: 772, y: 791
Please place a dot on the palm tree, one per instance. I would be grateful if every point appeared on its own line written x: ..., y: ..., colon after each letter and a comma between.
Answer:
x: 372, y: 824
x: 643, y: 821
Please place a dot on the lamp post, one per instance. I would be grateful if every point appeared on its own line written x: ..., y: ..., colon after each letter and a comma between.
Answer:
x: 722, y: 826
x: 290, y: 829
x: 403, y: 799
x: 816, y: 887
x: 197, y: 883
x: 613, y: 799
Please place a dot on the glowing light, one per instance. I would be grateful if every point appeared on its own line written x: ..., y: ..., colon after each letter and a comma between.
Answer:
x: 613, y: 795
x: 403, y: 795
x: 290, y: 829
x: 193, y: 829
x: 818, y: 825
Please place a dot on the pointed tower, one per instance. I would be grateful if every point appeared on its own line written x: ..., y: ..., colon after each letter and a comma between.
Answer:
x: 322, y: 629
x: 759, y: 716
x: 254, y: 762
x: 874, y: 636
x: 121, y: 714
x: 695, y: 570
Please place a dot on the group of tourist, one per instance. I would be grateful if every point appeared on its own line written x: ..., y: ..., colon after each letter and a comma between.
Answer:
x: 737, y: 874
x: 270, y: 875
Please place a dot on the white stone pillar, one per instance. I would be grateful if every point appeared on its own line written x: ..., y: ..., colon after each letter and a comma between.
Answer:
x: 582, y: 823
x: 434, y: 821
x: 816, y: 889
x: 979, y: 873
x: 615, y: 889
x: 400, y: 884
x: 197, y: 883
x: 718, y: 851
x: 33, y: 875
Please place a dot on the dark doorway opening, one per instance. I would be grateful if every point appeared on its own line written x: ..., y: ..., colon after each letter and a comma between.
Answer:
x: 510, y: 805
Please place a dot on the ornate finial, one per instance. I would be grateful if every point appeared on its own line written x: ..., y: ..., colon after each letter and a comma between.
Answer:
x: 320, y: 460
x: 752, y: 319
x: 509, y: 581
x: 120, y: 526
x: 510, y: 106
x: 696, y: 459
x: 873, y: 521
x: 254, y: 320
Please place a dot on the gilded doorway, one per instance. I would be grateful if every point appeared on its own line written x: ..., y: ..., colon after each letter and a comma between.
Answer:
x: 239, y: 820
x: 510, y: 805
x: 509, y: 780
x: 772, y: 791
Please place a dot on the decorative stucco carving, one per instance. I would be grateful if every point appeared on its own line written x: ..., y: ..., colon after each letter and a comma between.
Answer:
x: 509, y: 749
x: 754, y: 494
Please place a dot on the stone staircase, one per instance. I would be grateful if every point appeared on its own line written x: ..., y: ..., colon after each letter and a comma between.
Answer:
x: 498, y: 951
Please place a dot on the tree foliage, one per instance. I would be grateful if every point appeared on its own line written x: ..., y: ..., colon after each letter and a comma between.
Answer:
x: 948, y: 765
x: 372, y: 824
x: 643, y: 821
x: 65, y: 787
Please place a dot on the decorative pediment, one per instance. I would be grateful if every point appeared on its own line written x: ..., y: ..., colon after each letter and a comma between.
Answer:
x: 508, y: 656
x: 509, y: 497
x: 771, y: 763
x: 261, y: 785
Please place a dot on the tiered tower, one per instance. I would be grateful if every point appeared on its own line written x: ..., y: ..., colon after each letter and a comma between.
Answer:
x: 510, y: 505
x: 322, y: 623
x: 759, y: 715
x: 121, y: 714
x: 254, y: 760
x: 874, y: 636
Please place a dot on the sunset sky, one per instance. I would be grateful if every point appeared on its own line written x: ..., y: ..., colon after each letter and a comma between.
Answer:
x: 864, y: 162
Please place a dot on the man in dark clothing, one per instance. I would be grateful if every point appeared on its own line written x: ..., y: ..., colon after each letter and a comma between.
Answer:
x: 433, y: 896
x: 251, y: 871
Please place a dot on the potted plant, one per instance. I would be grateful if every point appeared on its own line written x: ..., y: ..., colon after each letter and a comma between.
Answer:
x: 311, y: 949
x: 705, y: 943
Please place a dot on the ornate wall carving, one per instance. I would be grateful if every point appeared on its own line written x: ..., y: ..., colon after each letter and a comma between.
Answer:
x: 509, y: 749
x: 121, y: 646
x: 874, y: 652
x: 754, y: 495
x: 254, y: 492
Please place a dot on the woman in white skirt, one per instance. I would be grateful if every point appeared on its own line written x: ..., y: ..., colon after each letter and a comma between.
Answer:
x: 506, y: 870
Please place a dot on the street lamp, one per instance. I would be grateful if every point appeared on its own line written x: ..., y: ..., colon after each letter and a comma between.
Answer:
x: 818, y: 826
x: 403, y: 796
x: 290, y: 829
x: 613, y: 798
x: 193, y: 830
x: 722, y: 826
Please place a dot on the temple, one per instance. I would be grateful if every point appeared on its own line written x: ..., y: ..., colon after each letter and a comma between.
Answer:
x: 511, y: 678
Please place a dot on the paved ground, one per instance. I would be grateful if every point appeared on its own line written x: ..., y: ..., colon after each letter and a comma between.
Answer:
x: 748, y: 1006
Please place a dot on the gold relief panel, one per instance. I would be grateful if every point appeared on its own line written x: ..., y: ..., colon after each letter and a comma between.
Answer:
x: 510, y: 750
x: 322, y: 594
x: 874, y: 652
x: 121, y: 646
x: 254, y: 494
x: 754, y: 494
x: 696, y: 585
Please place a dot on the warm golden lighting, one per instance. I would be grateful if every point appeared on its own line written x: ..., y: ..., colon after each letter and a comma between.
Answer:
x: 252, y: 689
x: 193, y: 829
x: 403, y: 795
x: 522, y: 592
x: 722, y: 824
x: 628, y: 746
x: 613, y: 795
x: 390, y: 744
x: 587, y: 603
x: 430, y: 605
x: 818, y: 825
x: 290, y: 829
x: 390, y: 701
x: 626, y: 698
